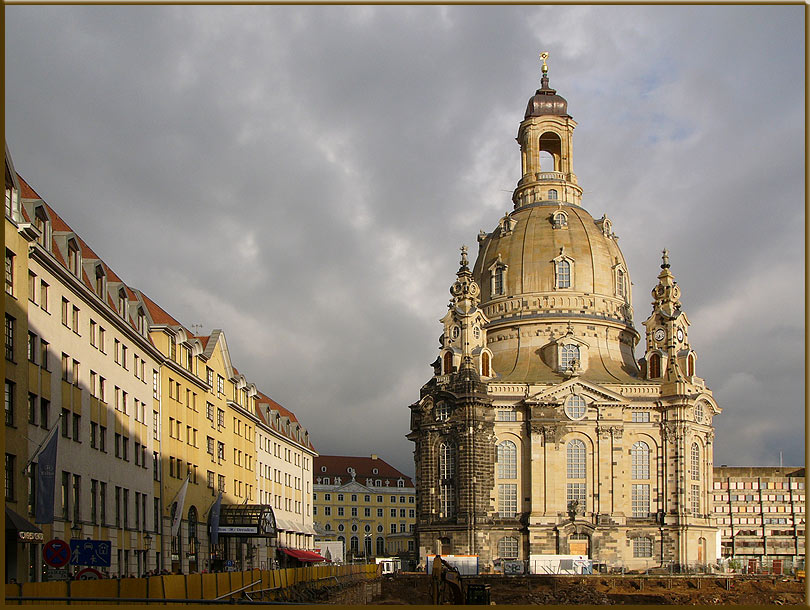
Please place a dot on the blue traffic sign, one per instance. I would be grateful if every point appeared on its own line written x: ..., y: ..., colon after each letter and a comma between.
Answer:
x: 90, y: 553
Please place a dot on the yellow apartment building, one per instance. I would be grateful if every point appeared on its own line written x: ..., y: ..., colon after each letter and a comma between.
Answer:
x: 367, y: 503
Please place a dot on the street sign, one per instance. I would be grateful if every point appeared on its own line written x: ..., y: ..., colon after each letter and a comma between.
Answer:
x: 90, y: 553
x: 56, y: 553
x: 56, y: 574
x: 88, y: 574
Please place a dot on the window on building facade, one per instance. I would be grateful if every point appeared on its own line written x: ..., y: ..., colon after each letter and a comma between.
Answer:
x: 507, y: 460
x: 10, y: 272
x: 695, y: 462
x: 559, y: 220
x: 575, y: 407
x: 10, y: 325
x: 655, y: 366
x: 641, y: 500
x: 507, y: 500
x: 569, y: 355
x: 642, y: 546
x: 641, y: 416
x: 442, y: 411
x: 563, y: 274
x: 73, y: 257
x: 695, y: 499
x: 640, y: 457
x: 485, y: 364
x: 498, y: 283
x: 508, y: 547
x: 575, y: 469
x: 620, y: 283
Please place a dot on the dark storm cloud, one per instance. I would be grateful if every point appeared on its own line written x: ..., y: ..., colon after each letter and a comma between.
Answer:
x: 303, y: 177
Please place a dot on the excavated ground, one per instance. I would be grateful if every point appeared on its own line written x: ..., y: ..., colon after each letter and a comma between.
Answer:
x: 413, y: 588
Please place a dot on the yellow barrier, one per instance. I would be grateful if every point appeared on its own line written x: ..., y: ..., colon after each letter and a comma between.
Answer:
x: 191, y: 586
x: 209, y: 586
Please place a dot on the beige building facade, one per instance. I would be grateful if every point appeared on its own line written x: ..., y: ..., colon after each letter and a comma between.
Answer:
x: 540, y: 432
x: 761, y: 514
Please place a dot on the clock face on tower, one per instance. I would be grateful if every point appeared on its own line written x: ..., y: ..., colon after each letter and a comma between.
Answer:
x: 680, y: 334
x: 659, y: 334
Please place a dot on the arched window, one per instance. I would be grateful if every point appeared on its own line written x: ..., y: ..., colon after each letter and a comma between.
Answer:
x: 342, y: 539
x: 655, y: 366
x: 508, y: 547
x: 575, y: 407
x: 448, y: 363
x: 355, y: 545
x: 559, y: 220
x: 699, y: 412
x: 568, y: 355
x: 485, y: 364
x: 442, y: 411
x: 640, y: 454
x: 380, y: 546
x: 575, y: 459
x: 552, y: 194
x: 192, y: 529
x: 620, y: 285
x: 563, y: 274
x: 690, y: 365
x: 498, y: 281
x: 695, y: 462
x: 507, y: 460
x: 446, y: 460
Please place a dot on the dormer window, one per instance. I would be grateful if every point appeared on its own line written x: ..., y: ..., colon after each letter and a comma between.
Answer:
x: 100, y: 281
x: 323, y: 468
x: 569, y: 357
x: 559, y: 220
x: 563, y: 274
x: 400, y: 483
x: 74, y: 257
x: 122, y: 303
x: 498, y: 281
x: 42, y: 223
x: 142, y: 330
x: 620, y: 284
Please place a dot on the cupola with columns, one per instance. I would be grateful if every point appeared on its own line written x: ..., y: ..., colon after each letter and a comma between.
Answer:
x: 546, y: 128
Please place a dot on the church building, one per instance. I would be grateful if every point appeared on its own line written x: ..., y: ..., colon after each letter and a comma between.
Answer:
x: 540, y: 431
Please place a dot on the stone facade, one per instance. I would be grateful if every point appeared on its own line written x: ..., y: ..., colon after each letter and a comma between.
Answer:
x: 539, y: 432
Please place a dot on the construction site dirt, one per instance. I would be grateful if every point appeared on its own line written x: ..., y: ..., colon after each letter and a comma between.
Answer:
x: 414, y: 588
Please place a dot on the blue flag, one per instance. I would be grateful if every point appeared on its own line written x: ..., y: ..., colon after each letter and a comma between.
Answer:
x: 46, y: 480
x: 215, y: 519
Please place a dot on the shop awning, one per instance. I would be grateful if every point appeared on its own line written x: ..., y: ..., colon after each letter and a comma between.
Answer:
x: 26, y: 531
x: 307, y: 556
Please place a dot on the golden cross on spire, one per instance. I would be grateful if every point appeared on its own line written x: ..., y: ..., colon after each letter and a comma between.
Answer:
x: 544, y: 57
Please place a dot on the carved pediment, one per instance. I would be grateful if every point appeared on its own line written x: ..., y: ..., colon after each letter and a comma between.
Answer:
x: 353, y: 487
x: 594, y: 393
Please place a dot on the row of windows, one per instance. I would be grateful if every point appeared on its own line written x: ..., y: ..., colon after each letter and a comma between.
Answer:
x: 354, y: 512
x: 327, y: 497
x: 403, y: 528
x: 562, y: 274
x: 725, y: 484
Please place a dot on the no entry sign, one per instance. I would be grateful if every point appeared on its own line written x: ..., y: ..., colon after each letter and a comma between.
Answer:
x: 56, y: 553
x: 88, y: 574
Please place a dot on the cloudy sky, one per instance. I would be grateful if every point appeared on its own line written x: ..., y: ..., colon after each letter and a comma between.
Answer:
x: 302, y: 177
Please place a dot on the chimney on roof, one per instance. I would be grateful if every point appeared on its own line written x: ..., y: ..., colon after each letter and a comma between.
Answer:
x: 373, y: 456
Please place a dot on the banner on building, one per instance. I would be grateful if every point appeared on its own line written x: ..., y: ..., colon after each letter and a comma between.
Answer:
x: 178, y: 512
x: 46, y: 480
x: 215, y: 519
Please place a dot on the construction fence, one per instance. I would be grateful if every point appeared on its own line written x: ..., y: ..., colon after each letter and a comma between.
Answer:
x: 255, y: 585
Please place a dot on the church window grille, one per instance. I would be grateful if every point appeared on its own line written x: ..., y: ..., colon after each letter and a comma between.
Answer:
x: 507, y: 500
x: 655, y: 366
x: 563, y: 274
x: 695, y: 499
x: 642, y: 547
x: 641, y: 500
x: 505, y: 415
x: 575, y: 462
x: 448, y: 363
x: 508, y: 547
x: 568, y: 356
x: 575, y: 407
x: 442, y: 411
x: 640, y: 454
x: 641, y: 417
x: 485, y: 364
x: 695, y: 462
x: 507, y: 460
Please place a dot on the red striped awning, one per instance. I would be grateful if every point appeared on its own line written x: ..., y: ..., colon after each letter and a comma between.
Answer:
x: 307, y: 556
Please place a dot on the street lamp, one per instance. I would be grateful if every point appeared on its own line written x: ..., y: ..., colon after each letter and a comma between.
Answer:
x: 147, y: 541
x: 76, y: 530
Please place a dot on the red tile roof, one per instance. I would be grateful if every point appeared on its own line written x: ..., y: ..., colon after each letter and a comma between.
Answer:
x: 338, y: 465
x: 158, y: 314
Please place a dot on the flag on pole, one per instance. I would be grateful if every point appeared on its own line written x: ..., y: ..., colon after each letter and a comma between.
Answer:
x: 178, y: 513
x: 46, y: 480
x: 215, y: 519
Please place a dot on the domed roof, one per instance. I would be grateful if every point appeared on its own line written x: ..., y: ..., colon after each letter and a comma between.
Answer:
x: 545, y: 101
x: 533, y: 309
